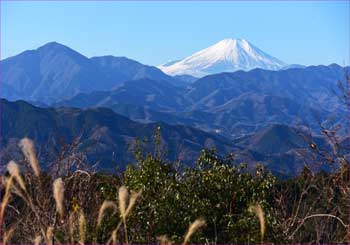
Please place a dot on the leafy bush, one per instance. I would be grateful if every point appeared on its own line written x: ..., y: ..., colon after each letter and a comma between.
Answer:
x: 307, y: 208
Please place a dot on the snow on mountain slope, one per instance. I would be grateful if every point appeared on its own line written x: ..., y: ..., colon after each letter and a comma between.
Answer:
x: 228, y: 55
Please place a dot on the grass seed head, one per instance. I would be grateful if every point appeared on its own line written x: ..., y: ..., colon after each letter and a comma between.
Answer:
x: 194, y: 227
x: 105, y: 205
x: 58, y: 192
x: 133, y: 198
x: 28, y: 150
x: 13, y: 169
x: 123, y: 197
x: 258, y: 211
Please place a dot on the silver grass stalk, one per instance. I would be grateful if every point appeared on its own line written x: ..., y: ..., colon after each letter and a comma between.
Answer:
x: 49, y: 235
x: 114, y: 236
x: 7, y: 235
x: 82, y: 228
x: 5, y: 200
x: 37, y: 240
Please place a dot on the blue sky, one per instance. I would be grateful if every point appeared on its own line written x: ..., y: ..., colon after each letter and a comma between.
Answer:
x: 302, y: 32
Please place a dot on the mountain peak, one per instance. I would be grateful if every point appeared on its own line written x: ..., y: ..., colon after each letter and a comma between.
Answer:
x: 58, y: 48
x: 233, y: 40
x: 52, y: 45
x: 227, y: 55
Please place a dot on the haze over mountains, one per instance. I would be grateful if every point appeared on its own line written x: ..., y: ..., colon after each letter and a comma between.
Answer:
x: 107, y: 102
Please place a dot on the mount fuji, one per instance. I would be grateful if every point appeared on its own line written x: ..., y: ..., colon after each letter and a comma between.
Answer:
x: 227, y: 55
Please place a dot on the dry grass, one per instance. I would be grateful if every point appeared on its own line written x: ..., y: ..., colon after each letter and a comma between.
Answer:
x: 123, y: 197
x: 37, y: 240
x: 28, y: 150
x: 5, y: 200
x: 8, y: 234
x: 46, y: 226
x: 105, y: 205
x: 194, y: 227
x: 13, y: 169
x: 58, y: 193
x: 164, y: 240
x: 82, y: 228
x: 49, y: 235
x: 126, y: 204
x: 258, y: 211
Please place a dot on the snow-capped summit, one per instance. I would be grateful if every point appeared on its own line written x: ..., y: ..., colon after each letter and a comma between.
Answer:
x: 228, y: 55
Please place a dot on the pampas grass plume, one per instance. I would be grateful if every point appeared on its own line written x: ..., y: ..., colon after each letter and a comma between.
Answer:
x: 195, y: 226
x: 105, y: 205
x: 258, y: 211
x: 13, y: 169
x: 28, y: 150
x: 58, y: 193
x: 134, y: 196
x: 123, y: 196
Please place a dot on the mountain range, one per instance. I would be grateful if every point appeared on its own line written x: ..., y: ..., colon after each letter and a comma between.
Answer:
x: 54, y: 71
x: 58, y: 96
x: 231, y: 104
x: 101, y: 140
x: 104, y: 137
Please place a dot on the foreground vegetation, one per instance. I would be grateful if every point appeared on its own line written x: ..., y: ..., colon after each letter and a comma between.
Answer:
x: 154, y: 202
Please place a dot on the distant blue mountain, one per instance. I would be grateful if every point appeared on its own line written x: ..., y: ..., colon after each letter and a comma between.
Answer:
x: 55, y: 72
x: 229, y: 103
x: 186, y: 78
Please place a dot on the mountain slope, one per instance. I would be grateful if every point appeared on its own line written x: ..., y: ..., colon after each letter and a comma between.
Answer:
x: 284, y: 149
x: 103, y: 136
x: 228, y: 55
x: 311, y: 86
x: 51, y: 71
x: 123, y: 69
x: 56, y: 72
x: 232, y: 104
x: 155, y: 95
x: 98, y: 138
